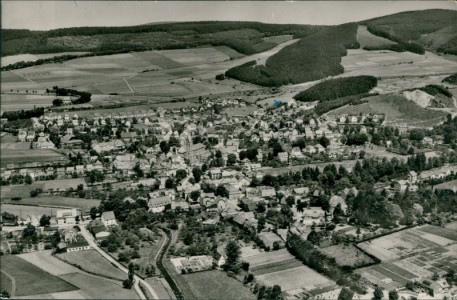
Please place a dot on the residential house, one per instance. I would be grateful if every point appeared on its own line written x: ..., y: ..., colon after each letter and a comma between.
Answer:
x: 313, y: 215
x: 108, y: 218
x: 158, y: 204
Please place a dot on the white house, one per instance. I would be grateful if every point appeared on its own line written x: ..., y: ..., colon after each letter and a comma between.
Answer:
x: 108, y: 218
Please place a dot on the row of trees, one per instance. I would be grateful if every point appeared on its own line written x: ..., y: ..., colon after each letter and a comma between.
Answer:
x: 23, y: 114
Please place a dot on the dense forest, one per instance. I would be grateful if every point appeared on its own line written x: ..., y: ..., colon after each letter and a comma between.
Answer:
x: 434, y: 89
x: 429, y: 28
x: 337, y: 88
x: 245, y: 37
x: 311, y: 58
x: 452, y: 79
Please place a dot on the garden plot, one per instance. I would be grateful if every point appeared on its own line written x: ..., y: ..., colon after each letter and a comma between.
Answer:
x: 268, y: 257
x: 295, y: 278
x: 347, y: 255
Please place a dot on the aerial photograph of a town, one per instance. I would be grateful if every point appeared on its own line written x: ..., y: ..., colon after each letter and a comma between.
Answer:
x: 232, y: 150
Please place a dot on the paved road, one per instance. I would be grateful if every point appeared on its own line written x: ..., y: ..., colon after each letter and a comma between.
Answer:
x: 138, y: 290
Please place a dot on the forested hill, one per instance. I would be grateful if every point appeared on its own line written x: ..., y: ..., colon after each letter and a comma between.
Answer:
x: 311, y: 58
x: 434, y: 29
x: 245, y: 37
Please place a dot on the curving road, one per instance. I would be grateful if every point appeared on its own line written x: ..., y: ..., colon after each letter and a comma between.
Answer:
x: 86, y: 234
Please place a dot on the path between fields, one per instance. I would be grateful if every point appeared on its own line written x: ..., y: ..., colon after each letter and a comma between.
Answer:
x: 133, y: 92
x: 138, y: 290
x: 13, y: 283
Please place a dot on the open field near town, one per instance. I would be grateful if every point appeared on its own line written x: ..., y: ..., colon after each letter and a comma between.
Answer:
x: 347, y: 255
x: 31, y: 280
x: 12, y: 102
x: 25, y: 210
x: 398, y: 110
x: 57, y: 201
x: 45, y: 261
x: 387, y: 63
x: 366, y: 38
x: 299, y: 277
x: 92, y: 262
x: 16, y: 156
x: 6, y: 283
x: 398, y: 84
x: 94, y: 287
x: 15, y: 146
x: 20, y: 190
x: 149, y: 73
x: 216, y: 284
x: 281, y: 267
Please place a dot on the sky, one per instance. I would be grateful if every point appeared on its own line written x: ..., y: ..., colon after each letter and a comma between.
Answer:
x: 45, y: 15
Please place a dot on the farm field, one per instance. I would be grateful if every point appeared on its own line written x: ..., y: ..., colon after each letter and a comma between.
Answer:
x: 94, y: 287
x: 347, y: 255
x: 398, y: 110
x: 16, y: 156
x: 366, y: 38
x: 159, y: 287
x: 23, y: 211
x: 92, y: 262
x: 20, y: 190
x: 25, y: 275
x: 387, y: 63
x: 12, y: 102
x: 45, y: 261
x: 281, y: 267
x: 398, y: 84
x: 12, y: 59
x: 216, y: 284
x: 15, y: 146
x: 148, y: 73
x: 6, y: 283
x: 57, y: 201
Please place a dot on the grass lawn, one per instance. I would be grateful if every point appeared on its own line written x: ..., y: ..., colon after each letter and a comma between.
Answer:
x: 31, y: 280
x: 93, y: 262
x: 216, y: 285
